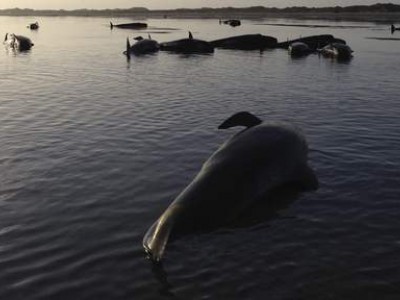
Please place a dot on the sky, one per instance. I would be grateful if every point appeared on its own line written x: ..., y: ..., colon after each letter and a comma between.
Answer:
x: 171, y: 4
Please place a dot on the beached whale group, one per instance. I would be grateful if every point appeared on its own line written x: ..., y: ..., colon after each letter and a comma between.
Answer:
x: 325, y: 44
x: 249, y: 169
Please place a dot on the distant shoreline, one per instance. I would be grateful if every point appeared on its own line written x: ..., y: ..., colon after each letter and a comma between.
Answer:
x: 382, y: 13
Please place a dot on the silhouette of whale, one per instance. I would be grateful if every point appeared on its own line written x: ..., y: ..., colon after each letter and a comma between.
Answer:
x: 142, y: 46
x: 246, y: 42
x: 188, y: 45
x: 18, y: 42
x: 242, y: 172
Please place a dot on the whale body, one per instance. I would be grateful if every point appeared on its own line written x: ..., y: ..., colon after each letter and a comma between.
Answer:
x: 299, y: 49
x: 187, y: 46
x: 246, y: 42
x: 135, y: 25
x: 314, y: 42
x: 142, y: 46
x: 34, y: 26
x: 337, y: 50
x: 257, y: 160
x: 19, y: 42
x: 232, y: 22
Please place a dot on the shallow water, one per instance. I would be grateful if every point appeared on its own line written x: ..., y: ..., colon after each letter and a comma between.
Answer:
x: 94, y: 148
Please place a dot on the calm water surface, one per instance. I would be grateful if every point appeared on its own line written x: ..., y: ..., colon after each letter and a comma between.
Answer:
x: 94, y: 148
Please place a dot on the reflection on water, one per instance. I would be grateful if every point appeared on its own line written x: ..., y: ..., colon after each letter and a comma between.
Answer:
x: 317, y: 25
x: 383, y: 38
x: 162, y: 277
x: 94, y: 149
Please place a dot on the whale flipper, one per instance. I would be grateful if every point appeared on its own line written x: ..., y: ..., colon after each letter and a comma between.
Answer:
x: 242, y: 118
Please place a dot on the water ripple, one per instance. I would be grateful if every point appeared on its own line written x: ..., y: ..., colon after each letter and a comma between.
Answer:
x: 94, y: 148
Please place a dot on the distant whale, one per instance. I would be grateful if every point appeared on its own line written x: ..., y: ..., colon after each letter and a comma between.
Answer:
x: 33, y: 26
x: 18, y: 42
x: 188, y: 45
x: 135, y: 25
x: 232, y: 22
x: 243, y: 171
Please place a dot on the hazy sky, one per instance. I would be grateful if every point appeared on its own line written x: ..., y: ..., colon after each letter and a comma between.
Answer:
x: 167, y: 4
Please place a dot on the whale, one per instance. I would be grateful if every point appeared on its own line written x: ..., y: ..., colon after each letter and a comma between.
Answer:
x: 135, y: 25
x: 314, y: 42
x: 187, y: 46
x: 33, y: 26
x: 261, y: 158
x: 232, y: 22
x: 298, y: 49
x: 337, y: 50
x: 141, y: 46
x: 18, y: 42
x: 246, y: 42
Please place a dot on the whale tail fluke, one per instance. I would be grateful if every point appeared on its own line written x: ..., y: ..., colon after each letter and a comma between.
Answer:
x: 156, y: 238
x: 111, y: 25
x: 243, y: 118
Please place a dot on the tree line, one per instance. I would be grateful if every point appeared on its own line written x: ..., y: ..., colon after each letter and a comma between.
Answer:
x: 259, y: 10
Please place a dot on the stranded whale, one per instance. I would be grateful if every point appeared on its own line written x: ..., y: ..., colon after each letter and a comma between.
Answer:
x: 257, y: 160
x: 18, y: 42
x: 246, y: 42
x: 135, y: 25
x: 187, y: 46
x: 314, y: 42
x: 142, y: 46
x: 298, y: 49
x: 337, y: 50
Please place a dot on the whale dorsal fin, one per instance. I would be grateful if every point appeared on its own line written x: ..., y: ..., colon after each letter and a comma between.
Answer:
x: 242, y: 118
